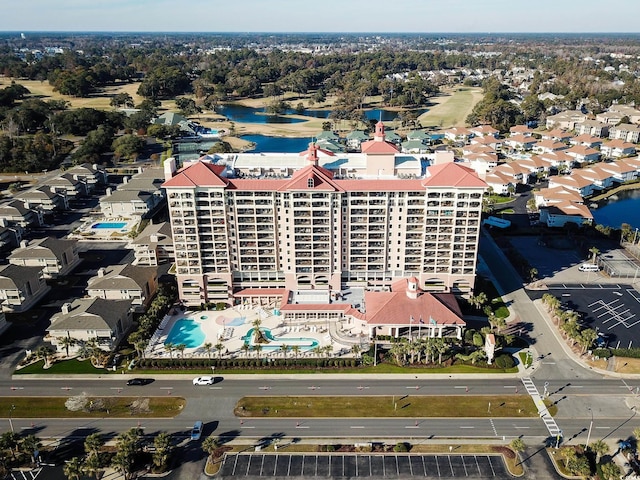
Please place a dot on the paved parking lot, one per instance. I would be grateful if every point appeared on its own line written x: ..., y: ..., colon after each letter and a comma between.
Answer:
x: 335, y: 465
x: 611, y: 309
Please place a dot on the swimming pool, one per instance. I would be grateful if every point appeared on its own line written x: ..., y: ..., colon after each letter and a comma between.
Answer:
x: 276, y: 342
x: 186, y: 331
x: 109, y: 225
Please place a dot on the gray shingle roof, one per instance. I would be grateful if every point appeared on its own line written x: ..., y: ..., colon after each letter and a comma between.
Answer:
x: 122, y: 277
x: 91, y: 314
x: 15, y: 276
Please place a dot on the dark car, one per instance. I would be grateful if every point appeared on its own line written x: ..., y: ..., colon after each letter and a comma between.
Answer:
x: 139, y: 381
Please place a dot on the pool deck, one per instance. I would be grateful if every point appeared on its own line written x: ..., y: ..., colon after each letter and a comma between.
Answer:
x: 225, y: 327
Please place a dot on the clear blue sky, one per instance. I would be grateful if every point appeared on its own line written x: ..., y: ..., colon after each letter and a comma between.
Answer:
x: 321, y: 15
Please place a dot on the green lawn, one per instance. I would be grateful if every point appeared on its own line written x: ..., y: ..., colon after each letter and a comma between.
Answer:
x: 61, y: 368
x: 454, y: 110
x: 388, y: 406
x: 117, y: 407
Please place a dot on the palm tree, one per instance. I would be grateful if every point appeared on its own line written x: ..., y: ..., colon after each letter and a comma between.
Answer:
x: 73, y: 468
x: 245, y: 349
x: 66, y: 342
x: 518, y: 445
x: 610, y: 471
x: 140, y: 346
x: 284, y: 348
x: 317, y: 351
x: 180, y: 347
x: 210, y: 445
x: 29, y: 445
x: 207, y: 348
x: 355, y: 349
x: 92, y: 466
x: 477, y: 301
x: 599, y: 447
x: 162, y: 444
x: 594, y: 253
x: 296, y: 350
x: 169, y: 347
x: 92, y: 444
x: 10, y: 441
x: 122, y: 461
x: 219, y: 347
x: 44, y: 352
x: 258, y: 348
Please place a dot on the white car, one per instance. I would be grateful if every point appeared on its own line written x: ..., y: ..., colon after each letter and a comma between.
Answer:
x: 203, y: 381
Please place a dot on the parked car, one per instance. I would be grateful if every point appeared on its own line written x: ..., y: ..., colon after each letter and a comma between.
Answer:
x: 139, y: 381
x: 203, y: 381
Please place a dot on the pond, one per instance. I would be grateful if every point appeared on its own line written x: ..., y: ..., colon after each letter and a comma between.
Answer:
x: 616, y: 211
x: 267, y: 144
x: 240, y: 113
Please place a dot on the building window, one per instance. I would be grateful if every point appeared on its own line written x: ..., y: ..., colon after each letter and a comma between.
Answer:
x: 310, y: 183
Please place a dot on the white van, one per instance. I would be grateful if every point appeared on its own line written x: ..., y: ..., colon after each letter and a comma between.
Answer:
x: 589, y: 267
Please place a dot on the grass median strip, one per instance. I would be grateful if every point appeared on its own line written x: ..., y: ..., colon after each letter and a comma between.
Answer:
x: 390, y: 406
x: 112, y: 407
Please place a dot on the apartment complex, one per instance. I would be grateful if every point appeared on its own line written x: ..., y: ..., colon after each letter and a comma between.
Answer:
x: 321, y: 232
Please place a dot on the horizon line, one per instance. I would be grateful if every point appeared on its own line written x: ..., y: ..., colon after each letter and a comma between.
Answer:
x: 164, y: 32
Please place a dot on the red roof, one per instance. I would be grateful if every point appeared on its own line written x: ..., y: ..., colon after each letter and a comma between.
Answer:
x: 197, y: 174
x: 396, y: 308
x: 452, y: 175
x: 377, y: 147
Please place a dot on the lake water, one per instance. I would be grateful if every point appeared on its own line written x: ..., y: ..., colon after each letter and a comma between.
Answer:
x: 266, y: 144
x: 613, y: 213
x: 240, y: 113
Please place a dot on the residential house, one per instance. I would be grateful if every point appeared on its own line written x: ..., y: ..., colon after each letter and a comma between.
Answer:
x: 481, y: 163
x: 517, y: 172
x: 592, y: 127
x: 131, y: 282
x: 458, y: 134
x: 484, y: 131
x: 135, y: 197
x: 557, y: 134
x: 626, y: 132
x: 601, y: 178
x: 520, y: 130
x: 560, y: 213
x: 354, y: 140
x: 90, y: 175
x: 617, y: 148
x: 17, y: 213
x: 70, y: 185
x: 609, y: 117
x: 627, y: 111
x: 583, y: 154
x: 520, y: 142
x: 172, y: 119
x: 56, y: 257
x: 566, y: 120
x: 414, y: 146
x: 587, y: 140
x: 548, y: 146
x: 153, y: 246
x: 45, y: 199
x: 546, y: 196
x: 499, y: 183
x: 10, y: 235
x: 576, y: 182
x: 489, y: 141
x: 559, y: 159
x: 21, y: 287
x: 621, y: 170
x: 85, y: 319
x: 535, y: 164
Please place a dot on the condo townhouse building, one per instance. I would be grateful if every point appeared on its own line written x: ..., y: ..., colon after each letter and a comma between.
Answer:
x: 320, y: 232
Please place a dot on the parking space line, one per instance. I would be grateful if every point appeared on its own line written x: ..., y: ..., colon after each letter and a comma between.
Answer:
x: 262, y: 465
x: 424, y: 467
x: 453, y: 474
x: 491, y: 465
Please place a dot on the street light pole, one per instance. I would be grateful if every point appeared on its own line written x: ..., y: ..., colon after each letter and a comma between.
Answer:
x: 590, y: 427
x: 13, y: 407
